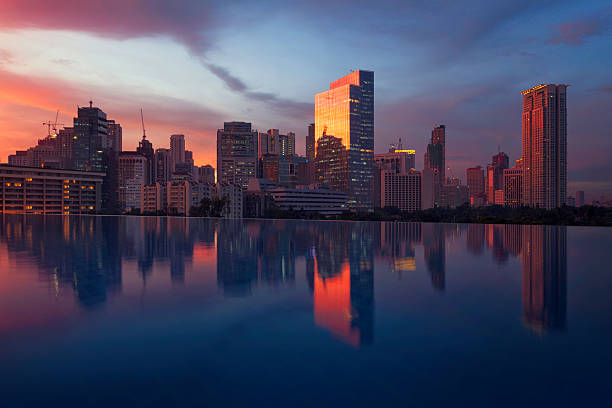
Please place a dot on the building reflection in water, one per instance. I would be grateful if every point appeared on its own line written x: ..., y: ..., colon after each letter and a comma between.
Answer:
x: 85, y: 255
x: 434, y: 253
x: 544, y: 259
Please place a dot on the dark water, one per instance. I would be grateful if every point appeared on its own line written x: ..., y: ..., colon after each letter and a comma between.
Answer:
x: 116, y: 311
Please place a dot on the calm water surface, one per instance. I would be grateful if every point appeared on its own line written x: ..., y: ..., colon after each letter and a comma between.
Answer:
x: 116, y: 311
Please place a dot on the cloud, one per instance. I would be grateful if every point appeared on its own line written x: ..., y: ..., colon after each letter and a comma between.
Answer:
x: 5, y: 57
x: 26, y: 102
x: 293, y: 109
x: 578, y: 31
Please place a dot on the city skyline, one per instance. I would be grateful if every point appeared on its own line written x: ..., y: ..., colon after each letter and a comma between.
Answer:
x: 473, y: 68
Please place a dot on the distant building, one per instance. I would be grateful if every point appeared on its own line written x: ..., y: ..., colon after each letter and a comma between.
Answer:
x: 476, y: 185
x: 453, y: 195
x: 495, y: 175
x: 153, y: 198
x: 145, y: 148
x: 133, y: 170
x: 544, y: 146
x: 571, y: 201
x: 287, y: 144
x: 177, y: 150
x: 435, y: 155
x: 89, y: 140
x: 49, y: 191
x: 401, y: 190
x: 400, y: 161
x: 346, y: 112
x: 234, y: 195
x: 20, y: 159
x: 114, y: 138
x: 579, y: 198
x: 499, y: 197
x: 429, y: 185
x: 513, y: 187
x: 163, y: 165
x: 206, y: 174
x: 310, y: 153
x: 236, y: 154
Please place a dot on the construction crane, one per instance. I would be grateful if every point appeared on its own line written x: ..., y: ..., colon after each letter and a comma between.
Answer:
x: 144, y: 135
x: 52, y: 125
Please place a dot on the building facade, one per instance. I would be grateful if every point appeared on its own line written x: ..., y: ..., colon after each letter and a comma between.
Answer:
x: 310, y: 153
x: 133, y: 170
x: 476, y: 183
x: 90, y: 139
x: 513, y: 187
x: 401, y: 190
x: 49, y: 191
x: 346, y: 112
x: 544, y: 146
x: 237, y: 150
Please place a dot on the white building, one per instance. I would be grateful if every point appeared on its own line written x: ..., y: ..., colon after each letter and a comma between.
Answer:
x: 132, y: 177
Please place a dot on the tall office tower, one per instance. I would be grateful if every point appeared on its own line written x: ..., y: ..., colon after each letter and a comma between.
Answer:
x: 163, y: 165
x: 544, y: 146
x: 133, y: 169
x: 346, y: 112
x: 476, y: 183
x: 331, y: 163
x: 513, y: 187
x: 114, y: 138
x: 177, y: 149
x: 579, y: 198
x: 268, y: 143
x: 206, y: 174
x: 287, y: 144
x: 65, y: 137
x: 435, y: 156
x: 236, y: 153
x: 310, y: 152
x: 495, y: 175
x: 146, y: 149
x: 90, y: 132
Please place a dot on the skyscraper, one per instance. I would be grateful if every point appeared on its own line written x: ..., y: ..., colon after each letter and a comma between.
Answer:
x: 89, y: 140
x: 163, y: 165
x: 544, y: 146
x: 177, y: 150
x: 236, y: 153
x: 495, y: 175
x: 435, y: 155
x: 346, y: 112
x: 114, y: 136
x: 310, y: 152
x: 287, y: 144
x: 146, y: 149
x: 476, y: 185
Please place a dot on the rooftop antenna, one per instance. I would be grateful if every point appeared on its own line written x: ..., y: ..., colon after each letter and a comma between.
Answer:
x: 90, y: 103
x: 144, y: 135
x: 399, y: 145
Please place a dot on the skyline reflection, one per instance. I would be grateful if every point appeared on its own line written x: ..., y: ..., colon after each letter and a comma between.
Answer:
x: 86, y: 256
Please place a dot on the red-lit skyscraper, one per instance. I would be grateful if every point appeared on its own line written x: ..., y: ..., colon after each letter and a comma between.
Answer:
x: 544, y: 146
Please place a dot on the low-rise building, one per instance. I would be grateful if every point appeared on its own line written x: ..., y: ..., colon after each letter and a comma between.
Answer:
x: 49, y: 191
x: 234, y: 195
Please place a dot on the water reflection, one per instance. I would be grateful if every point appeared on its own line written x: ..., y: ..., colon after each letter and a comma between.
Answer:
x: 86, y: 255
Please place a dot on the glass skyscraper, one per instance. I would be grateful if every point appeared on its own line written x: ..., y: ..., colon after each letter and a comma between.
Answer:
x: 346, y: 112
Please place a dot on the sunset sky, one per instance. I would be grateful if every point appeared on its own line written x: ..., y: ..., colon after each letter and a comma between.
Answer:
x: 190, y: 65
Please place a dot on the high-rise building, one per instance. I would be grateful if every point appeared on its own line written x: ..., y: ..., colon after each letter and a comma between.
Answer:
x: 114, y: 138
x: 310, y: 152
x: 544, y: 146
x: 90, y: 139
x: 206, y: 174
x: 579, y: 198
x: 331, y: 162
x: 177, y: 150
x: 429, y: 187
x: 476, y: 183
x: 133, y: 170
x: 435, y: 155
x: 268, y: 143
x: 287, y: 144
x: 513, y: 187
x: 236, y: 153
x: 163, y: 165
x: 346, y: 112
x: 495, y: 175
x: 398, y: 160
x: 401, y: 190
x: 146, y: 149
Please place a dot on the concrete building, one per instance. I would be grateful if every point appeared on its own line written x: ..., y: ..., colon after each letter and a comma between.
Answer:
x: 133, y: 170
x: 49, y: 191
x: 401, y: 190
x: 476, y: 184
x: 435, y: 155
x: 579, y: 198
x: 454, y: 195
x: 287, y: 144
x: 177, y: 150
x: 513, y: 187
x: 19, y: 159
x: 206, y: 174
x: 114, y: 135
x: 164, y: 167
x: 310, y: 153
x: 90, y: 139
x: 234, y: 195
x: 429, y: 184
x: 153, y: 198
x: 398, y: 160
x: 495, y: 175
x: 237, y: 150
x: 544, y: 146
x: 346, y: 112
